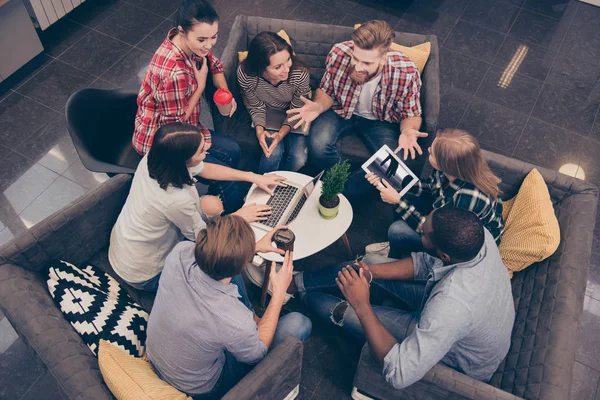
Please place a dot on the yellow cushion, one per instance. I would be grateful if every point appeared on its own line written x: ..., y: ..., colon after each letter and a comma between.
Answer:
x: 531, y: 232
x: 417, y: 54
x: 282, y: 34
x: 132, y: 378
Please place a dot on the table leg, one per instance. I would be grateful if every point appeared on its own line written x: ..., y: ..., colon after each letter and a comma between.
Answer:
x: 265, y: 286
x: 347, y: 246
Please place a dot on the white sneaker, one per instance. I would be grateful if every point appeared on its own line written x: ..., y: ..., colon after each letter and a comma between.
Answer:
x: 382, y: 248
x: 256, y: 273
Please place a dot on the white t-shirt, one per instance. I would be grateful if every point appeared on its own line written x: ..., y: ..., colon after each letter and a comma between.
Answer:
x: 364, y: 107
x: 151, y: 223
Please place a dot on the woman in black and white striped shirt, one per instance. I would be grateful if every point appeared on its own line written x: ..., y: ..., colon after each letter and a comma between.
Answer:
x: 272, y: 76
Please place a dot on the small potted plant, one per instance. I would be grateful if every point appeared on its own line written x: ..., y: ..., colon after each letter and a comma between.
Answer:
x: 333, y: 184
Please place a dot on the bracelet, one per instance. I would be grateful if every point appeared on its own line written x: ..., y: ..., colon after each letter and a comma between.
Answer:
x: 371, y: 275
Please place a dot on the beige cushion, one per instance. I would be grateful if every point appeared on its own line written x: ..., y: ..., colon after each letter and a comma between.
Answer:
x: 531, y: 231
x: 132, y: 378
x: 283, y: 34
x: 418, y: 54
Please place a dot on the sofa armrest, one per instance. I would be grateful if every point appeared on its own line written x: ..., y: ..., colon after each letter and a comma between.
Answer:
x: 73, y: 233
x: 512, y: 172
x: 440, y: 382
x: 25, y: 300
x: 275, y: 376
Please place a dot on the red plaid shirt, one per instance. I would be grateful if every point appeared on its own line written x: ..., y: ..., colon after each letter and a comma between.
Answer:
x: 396, y: 96
x: 165, y: 92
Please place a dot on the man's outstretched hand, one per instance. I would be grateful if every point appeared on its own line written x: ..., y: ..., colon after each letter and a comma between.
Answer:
x: 408, y: 142
x: 307, y: 113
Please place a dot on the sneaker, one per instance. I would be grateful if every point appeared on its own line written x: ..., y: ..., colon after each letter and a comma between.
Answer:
x: 256, y: 273
x: 382, y: 248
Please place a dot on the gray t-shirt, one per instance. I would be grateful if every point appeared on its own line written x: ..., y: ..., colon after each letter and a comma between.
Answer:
x: 193, y: 321
x: 466, y: 321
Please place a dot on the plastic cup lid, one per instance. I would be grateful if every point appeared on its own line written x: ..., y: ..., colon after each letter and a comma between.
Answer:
x: 284, y: 236
x: 222, y: 96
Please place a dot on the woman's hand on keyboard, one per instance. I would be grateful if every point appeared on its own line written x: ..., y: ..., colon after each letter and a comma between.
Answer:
x: 254, y: 212
x: 265, y: 182
x: 265, y: 245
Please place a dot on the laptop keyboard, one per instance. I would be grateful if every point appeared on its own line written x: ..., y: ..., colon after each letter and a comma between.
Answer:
x: 282, y: 196
x: 297, y: 209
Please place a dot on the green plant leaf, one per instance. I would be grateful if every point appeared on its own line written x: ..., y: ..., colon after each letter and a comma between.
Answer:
x: 334, y: 180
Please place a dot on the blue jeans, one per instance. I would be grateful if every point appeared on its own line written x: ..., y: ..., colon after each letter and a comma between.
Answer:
x: 400, y: 323
x: 403, y: 240
x: 292, y: 324
x: 329, y: 127
x: 410, y: 293
x: 151, y: 285
x: 225, y: 151
x: 289, y: 155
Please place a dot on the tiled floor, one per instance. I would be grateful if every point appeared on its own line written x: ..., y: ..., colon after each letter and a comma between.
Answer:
x: 522, y: 75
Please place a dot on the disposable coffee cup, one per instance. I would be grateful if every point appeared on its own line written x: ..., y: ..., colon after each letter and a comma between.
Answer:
x: 223, y: 99
x: 284, y: 239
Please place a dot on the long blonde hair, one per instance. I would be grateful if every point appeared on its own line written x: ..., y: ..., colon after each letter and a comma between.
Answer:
x: 457, y: 153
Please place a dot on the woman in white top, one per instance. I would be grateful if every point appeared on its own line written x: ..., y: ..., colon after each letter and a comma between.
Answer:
x: 163, y: 206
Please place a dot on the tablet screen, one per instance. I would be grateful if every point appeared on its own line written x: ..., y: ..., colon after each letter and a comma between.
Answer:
x: 387, y: 165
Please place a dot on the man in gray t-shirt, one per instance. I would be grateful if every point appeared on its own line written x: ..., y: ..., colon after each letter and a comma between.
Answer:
x: 460, y: 309
x: 202, y: 333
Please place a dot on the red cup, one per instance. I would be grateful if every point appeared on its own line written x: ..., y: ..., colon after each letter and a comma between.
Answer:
x: 223, y: 99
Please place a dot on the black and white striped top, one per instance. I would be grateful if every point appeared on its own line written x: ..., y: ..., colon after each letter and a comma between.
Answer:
x: 285, y: 95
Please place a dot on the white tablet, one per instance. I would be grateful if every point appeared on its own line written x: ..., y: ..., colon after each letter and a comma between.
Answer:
x: 387, y: 165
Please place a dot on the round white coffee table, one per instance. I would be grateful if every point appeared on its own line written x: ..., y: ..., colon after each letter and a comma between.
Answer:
x: 313, y: 232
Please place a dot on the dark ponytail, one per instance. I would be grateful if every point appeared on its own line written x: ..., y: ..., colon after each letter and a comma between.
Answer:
x: 194, y: 11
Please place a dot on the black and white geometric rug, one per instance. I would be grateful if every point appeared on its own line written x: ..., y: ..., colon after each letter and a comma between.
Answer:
x: 97, y: 307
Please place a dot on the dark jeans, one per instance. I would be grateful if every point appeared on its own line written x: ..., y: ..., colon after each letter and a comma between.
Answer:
x: 225, y: 151
x: 289, y: 155
x: 329, y: 127
x: 292, y: 324
x: 399, y: 323
x: 403, y: 237
x: 151, y: 285
x: 409, y: 292
x: 403, y: 240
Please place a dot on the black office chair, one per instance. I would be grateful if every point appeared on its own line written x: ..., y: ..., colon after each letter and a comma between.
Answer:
x: 101, y: 124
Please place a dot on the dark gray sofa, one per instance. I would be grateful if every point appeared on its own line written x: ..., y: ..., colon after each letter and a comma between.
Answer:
x: 312, y: 43
x: 548, y: 301
x: 80, y: 233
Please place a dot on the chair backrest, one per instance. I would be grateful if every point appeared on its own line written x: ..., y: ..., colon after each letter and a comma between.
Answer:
x: 101, y: 124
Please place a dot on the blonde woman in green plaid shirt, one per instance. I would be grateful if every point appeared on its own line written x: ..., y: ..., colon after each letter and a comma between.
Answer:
x: 461, y: 178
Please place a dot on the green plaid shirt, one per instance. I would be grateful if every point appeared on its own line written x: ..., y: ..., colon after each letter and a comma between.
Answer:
x: 459, y: 194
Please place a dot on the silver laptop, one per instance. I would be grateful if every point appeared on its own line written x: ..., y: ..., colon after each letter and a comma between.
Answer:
x: 286, y: 203
x: 275, y: 119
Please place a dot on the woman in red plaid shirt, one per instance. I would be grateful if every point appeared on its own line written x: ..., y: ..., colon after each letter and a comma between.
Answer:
x: 171, y: 90
x: 367, y: 89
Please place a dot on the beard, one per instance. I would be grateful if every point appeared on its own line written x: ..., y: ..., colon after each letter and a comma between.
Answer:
x: 362, y: 78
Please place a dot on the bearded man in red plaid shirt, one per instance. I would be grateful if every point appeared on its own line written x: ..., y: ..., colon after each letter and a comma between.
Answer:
x: 368, y: 89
